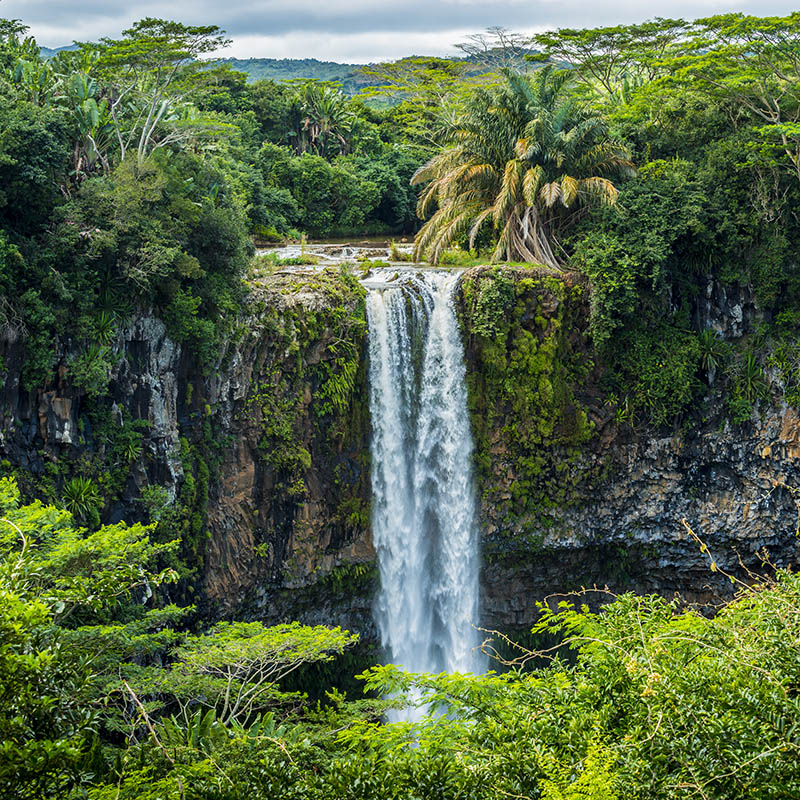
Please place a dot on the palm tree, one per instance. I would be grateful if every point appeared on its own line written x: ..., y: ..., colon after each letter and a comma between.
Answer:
x: 525, y: 157
x: 323, y: 121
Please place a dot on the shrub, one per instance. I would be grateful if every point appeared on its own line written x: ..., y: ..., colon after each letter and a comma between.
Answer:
x: 656, y: 369
x: 82, y: 499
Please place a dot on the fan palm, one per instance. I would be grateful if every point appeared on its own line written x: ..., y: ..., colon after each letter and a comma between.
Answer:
x: 527, y: 159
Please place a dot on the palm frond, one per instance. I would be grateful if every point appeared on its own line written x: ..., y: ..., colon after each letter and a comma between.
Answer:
x: 478, y: 224
x: 531, y: 183
x: 550, y: 193
x: 449, y: 234
x: 569, y: 190
x: 501, y: 248
x: 600, y: 189
x: 509, y: 191
x: 426, y: 200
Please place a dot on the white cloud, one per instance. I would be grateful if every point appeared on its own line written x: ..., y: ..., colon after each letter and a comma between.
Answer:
x: 351, y: 30
x: 353, y: 48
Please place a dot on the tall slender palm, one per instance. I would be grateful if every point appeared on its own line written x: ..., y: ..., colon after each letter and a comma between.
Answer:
x: 526, y: 158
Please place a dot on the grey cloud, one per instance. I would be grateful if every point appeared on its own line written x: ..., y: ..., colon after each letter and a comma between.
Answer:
x: 277, y: 17
x: 89, y: 19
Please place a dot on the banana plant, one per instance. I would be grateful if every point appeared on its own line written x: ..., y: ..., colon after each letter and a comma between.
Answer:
x: 92, y: 125
x: 198, y: 731
x: 35, y: 80
x: 14, y: 46
x: 202, y: 731
x: 77, y: 94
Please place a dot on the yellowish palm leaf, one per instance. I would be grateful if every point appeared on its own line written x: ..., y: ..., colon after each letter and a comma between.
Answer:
x: 569, y: 190
x: 509, y: 191
x: 531, y: 183
x: 600, y: 189
x: 550, y: 193
x: 478, y: 224
x: 426, y: 199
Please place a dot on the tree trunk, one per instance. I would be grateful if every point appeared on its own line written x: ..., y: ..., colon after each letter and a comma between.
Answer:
x: 529, y: 240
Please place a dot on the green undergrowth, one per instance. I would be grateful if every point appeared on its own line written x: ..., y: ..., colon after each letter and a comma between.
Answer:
x: 653, y: 373
x: 526, y: 356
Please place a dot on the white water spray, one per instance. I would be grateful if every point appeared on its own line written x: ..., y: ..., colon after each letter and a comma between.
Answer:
x: 423, y: 514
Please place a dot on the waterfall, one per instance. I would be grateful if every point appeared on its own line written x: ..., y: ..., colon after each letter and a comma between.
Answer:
x: 423, y: 506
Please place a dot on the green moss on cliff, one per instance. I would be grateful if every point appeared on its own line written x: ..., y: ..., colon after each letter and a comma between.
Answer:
x: 309, y: 401
x: 309, y: 368
x: 526, y: 354
x: 189, y: 516
x: 653, y: 369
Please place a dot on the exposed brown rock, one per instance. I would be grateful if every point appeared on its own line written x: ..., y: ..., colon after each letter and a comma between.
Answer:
x: 269, y: 553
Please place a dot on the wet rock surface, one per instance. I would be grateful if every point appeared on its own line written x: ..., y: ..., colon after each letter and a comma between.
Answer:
x: 733, y: 486
x: 263, y: 545
x: 275, y: 549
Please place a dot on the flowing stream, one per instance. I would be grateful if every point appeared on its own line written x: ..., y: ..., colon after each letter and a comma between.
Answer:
x: 424, y: 510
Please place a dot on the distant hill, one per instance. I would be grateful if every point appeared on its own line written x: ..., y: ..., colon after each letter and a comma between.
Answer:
x: 349, y: 75
x: 49, y: 52
x: 283, y: 69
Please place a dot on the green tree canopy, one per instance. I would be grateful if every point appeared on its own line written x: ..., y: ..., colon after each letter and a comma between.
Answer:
x: 150, y: 72
x: 610, y: 58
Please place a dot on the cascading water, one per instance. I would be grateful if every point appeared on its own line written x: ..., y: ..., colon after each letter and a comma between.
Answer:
x: 423, y: 513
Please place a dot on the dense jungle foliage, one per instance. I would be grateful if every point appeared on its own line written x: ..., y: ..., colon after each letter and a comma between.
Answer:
x: 653, y: 162
x: 652, y: 159
x: 133, y: 176
x: 104, y: 694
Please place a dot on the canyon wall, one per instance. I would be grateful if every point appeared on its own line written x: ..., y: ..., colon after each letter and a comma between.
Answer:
x: 264, y: 456
x: 576, y: 492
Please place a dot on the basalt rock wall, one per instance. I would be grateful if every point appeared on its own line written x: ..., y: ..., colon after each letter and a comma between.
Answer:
x: 258, y: 463
x: 263, y: 457
x: 576, y: 492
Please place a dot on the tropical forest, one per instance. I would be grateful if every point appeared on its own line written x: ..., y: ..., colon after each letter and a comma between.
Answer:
x: 419, y: 429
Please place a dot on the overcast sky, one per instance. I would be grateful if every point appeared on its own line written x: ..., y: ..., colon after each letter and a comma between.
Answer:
x: 351, y: 30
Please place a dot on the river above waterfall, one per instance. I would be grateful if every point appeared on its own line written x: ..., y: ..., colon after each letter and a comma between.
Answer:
x: 328, y: 253
x: 424, y: 507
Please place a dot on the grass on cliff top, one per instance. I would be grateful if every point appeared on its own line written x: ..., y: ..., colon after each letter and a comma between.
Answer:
x: 456, y: 257
x: 266, y: 264
x: 290, y: 282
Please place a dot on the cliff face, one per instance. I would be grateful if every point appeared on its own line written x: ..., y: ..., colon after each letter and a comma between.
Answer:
x: 264, y: 458
x: 735, y: 488
x: 575, y: 493
x: 291, y: 504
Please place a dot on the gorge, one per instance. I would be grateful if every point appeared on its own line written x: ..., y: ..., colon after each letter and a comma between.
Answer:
x: 266, y: 459
x: 437, y: 442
